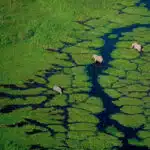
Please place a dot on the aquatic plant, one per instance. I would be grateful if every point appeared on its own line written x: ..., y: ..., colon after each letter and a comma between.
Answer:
x: 133, y: 121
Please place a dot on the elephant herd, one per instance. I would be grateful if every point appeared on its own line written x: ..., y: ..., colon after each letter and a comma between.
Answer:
x: 99, y: 59
x: 134, y: 45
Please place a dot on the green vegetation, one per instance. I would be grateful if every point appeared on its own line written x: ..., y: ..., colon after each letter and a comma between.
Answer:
x: 79, y: 115
x: 123, y: 83
x: 113, y: 131
x: 20, y: 101
x: 15, y: 116
x: 9, y: 145
x: 32, y: 91
x: 144, y: 134
x: 86, y: 58
x: 132, y: 109
x: 78, y: 50
x: 107, y: 81
x: 124, y: 54
x: 31, y: 113
x: 113, y: 36
x: 101, y: 140
x: 25, y: 37
x: 113, y: 93
x: 94, y: 43
x: 91, y: 108
x: 58, y: 100
x: 133, y: 121
x: 138, y: 11
x: 57, y: 128
x: 115, y: 72
x: 135, y: 87
x: 82, y: 127
x: 137, y: 94
x: 123, y: 64
x: 57, y: 80
x: 78, y: 98
x: 128, y: 101
x: 131, y: 85
x: 75, y: 135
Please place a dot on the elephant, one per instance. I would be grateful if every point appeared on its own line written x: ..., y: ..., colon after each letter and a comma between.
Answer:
x: 97, y: 58
x: 57, y: 89
x: 137, y: 46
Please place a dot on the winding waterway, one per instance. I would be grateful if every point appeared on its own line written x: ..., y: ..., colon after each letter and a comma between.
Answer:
x: 94, y: 71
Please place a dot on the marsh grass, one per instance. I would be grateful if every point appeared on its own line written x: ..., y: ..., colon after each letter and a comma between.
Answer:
x: 27, y: 26
x: 73, y: 120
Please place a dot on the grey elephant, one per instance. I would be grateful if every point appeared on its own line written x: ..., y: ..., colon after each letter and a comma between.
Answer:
x: 137, y: 46
x: 57, y: 89
x: 97, y: 58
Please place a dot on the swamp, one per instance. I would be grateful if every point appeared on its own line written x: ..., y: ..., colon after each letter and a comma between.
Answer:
x: 53, y: 95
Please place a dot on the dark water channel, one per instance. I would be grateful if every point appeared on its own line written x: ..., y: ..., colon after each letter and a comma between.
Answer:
x: 94, y: 71
x: 146, y: 2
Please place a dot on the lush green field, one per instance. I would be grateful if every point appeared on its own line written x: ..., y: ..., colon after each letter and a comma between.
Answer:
x: 29, y: 25
x: 102, y: 107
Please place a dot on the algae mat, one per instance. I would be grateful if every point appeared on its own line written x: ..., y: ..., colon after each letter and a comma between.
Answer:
x: 103, y: 106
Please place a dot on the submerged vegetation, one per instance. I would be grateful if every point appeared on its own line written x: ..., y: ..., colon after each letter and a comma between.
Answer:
x: 102, y: 107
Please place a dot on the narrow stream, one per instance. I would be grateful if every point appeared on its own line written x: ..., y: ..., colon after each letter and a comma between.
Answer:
x: 94, y: 71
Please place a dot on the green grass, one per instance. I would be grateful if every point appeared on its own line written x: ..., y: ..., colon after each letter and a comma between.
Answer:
x: 132, y: 109
x: 28, y: 26
x: 58, y: 100
x: 113, y: 93
x: 82, y: 127
x: 101, y: 140
x: 114, y: 131
x: 32, y: 91
x: 115, y: 72
x: 128, y: 101
x: 57, y: 80
x: 78, y: 98
x: 123, y: 64
x: 23, y: 38
x: 107, y: 81
x: 125, y: 54
x: 79, y: 115
x: 20, y: 101
x: 133, y: 121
